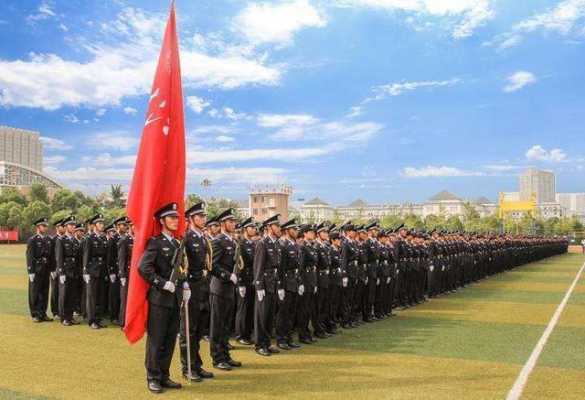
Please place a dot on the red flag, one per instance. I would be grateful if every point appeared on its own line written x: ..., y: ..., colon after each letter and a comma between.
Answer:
x: 159, y: 175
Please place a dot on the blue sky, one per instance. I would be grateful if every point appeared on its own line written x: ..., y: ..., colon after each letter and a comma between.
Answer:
x: 387, y: 100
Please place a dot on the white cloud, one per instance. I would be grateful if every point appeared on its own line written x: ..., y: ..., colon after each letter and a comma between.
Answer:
x: 277, y: 23
x: 197, y: 104
x: 96, y: 179
x: 518, y: 80
x: 248, y: 176
x: 127, y: 53
x: 304, y: 126
x: 465, y: 16
x: 101, y: 112
x: 45, y: 11
x: 229, y: 113
x: 278, y: 154
x: 204, y: 156
x: 54, y: 144
x: 431, y: 171
x: 397, y: 89
x: 355, y: 111
x: 562, y: 19
x: 72, y: 118
x: 280, y: 120
x: 224, y: 139
x: 213, y: 129
x: 130, y: 110
x: 52, y: 160
x: 63, y: 27
x: 566, y: 18
x: 538, y: 153
x: 118, y: 140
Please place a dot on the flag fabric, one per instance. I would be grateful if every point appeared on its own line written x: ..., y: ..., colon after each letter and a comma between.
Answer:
x: 159, y: 174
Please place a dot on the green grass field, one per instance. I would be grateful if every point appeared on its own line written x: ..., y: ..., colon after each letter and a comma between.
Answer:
x: 467, y: 345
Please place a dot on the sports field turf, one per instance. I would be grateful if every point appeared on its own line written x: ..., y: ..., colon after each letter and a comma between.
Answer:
x: 467, y: 345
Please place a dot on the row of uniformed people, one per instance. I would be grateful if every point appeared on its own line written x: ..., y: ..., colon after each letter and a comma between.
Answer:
x: 310, y: 280
x: 79, y: 272
x: 258, y: 282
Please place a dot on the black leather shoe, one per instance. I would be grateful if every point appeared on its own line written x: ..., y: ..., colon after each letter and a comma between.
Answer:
x: 234, y: 363
x: 293, y: 345
x: 203, y: 374
x: 273, y: 350
x: 320, y: 335
x: 155, y: 387
x: 74, y: 322
x: 66, y: 322
x: 245, y: 342
x: 305, y: 341
x: 194, y: 377
x: 223, y: 365
x: 263, y: 352
x: 46, y: 319
x: 283, y: 346
x: 169, y: 384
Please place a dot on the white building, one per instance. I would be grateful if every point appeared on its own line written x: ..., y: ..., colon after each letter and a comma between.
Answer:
x: 539, y: 185
x: 573, y: 203
x: 21, y: 160
x: 316, y: 210
x: 443, y: 203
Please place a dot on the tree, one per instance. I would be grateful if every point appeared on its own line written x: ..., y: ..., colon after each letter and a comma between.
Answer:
x: 11, y: 194
x: 14, y: 219
x: 32, y: 212
x: 413, y: 222
x: 5, y: 212
x: 391, y: 221
x: 454, y: 224
x: 117, y: 195
x: 38, y: 192
x: 64, y: 199
x: 434, y: 222
x: 193, y: 199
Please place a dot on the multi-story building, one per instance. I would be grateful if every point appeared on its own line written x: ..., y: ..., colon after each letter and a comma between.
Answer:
x: 572, y: 203
x: 265, y: 202
x: 443, y: 203
x: 21, y: 160
x: 316, y: 210
x: 537, y: 185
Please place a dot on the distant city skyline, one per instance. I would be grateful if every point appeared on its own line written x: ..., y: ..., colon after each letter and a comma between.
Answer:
x: 371, y: 99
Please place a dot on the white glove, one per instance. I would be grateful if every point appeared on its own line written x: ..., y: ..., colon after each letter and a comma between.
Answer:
x: 31, y: 277
x: 112, y: 278
x: 123, y: 281
x: 242, y: 290
x: 261, y: 293
x: 378, y: 282
x: 432, y: 268
x: 315, y: 289
x: 367, y: 279
x: 186, y: 292
x: 169, y: 287
x: 234, y: 279
x: 53, y: 275
x: 344, y: 282
x: 301, y: 290
x: 62, y: 278
x: 281, y: 294
x: 86, y: 278
x: 443, y: 268
x: 388, y: 280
